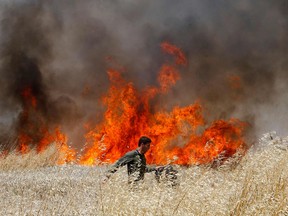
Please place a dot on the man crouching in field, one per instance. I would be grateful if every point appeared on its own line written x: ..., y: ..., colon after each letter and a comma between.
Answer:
x: 135, y: 161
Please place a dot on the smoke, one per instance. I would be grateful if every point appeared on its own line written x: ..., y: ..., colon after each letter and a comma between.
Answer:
x: 236, y: 51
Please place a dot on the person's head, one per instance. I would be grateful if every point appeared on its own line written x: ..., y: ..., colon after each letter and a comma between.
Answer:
x: 144, y: 144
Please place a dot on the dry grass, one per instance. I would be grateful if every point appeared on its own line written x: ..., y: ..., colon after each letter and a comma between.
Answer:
x: 256, y: 185
x: 31, y: 160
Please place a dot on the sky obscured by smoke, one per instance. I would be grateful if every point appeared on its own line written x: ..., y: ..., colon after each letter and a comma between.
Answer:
x: 60, y: 48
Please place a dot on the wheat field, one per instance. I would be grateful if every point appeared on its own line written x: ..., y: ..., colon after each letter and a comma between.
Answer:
x: 255, y: 184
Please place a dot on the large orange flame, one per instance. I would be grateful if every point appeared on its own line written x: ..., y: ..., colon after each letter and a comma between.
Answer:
x: 176, y: 137
x: 180, y: 136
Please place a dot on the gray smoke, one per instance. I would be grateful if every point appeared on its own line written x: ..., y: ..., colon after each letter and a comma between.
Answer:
x: 59, y: 48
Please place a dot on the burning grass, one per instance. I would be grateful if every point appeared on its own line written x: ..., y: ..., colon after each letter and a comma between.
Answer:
x: 130, y: 113
x: 253, y: 185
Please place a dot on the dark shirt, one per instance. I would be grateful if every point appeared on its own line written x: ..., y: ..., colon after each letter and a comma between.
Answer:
x: 136, y: 165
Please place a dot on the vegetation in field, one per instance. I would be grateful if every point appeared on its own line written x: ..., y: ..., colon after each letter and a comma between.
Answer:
x: 253, y: 185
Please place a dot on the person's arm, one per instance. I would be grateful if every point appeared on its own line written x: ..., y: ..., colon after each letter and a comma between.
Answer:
x: 121, y: 162
x: 150, y: 168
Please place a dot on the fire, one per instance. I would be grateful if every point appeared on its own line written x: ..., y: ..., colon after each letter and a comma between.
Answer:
x: 180, y: 58
x: 180, y: 136
x: 175, y: 134
x: 23, y: 140
x: 35, y: 131
x: 29, y: 97
x: 67, y: 154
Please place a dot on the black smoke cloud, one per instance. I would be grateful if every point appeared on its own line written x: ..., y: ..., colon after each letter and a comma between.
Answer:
x: 59, y: 48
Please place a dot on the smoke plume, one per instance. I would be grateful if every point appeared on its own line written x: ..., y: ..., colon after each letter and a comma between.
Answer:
x: 60, y: 51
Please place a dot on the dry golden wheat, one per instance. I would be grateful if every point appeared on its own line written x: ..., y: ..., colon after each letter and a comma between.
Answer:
x: 254, y: 185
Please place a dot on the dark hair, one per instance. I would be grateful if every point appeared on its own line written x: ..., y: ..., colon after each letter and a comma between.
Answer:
x: 144, y: 140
